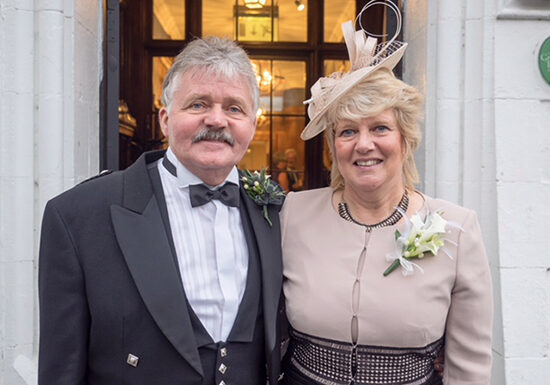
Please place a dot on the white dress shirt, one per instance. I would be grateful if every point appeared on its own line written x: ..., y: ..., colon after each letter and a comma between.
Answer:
x: 211, y: 249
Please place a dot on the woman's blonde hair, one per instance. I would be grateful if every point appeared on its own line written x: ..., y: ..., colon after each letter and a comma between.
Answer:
x: 378, y: 92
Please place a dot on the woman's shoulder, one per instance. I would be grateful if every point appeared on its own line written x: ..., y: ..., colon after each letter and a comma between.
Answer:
x: 307, y: 195
x: 451, y: 211
x: 308, y: 200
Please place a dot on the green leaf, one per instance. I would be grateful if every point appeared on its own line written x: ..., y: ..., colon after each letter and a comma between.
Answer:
x: 391, y: 268
x: 266, y: 216
x: 397, y: 234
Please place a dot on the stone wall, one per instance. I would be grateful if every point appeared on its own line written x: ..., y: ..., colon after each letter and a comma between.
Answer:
x: 49, y: 123
x: 487, y: 147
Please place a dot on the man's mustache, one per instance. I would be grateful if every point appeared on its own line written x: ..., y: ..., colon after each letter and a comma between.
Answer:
x: 216, y: 135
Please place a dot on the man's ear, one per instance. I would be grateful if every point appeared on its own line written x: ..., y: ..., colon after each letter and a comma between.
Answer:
x: 163, y: 121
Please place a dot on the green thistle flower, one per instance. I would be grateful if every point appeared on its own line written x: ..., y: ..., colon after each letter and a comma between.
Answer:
x: 262, y: 190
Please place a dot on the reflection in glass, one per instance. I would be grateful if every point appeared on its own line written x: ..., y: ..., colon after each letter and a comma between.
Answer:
x: 161, y: 65
x: 254, y: 20
x: 257, y: 24
x: 330, y: 66
x: 289, y: 149
x: 282, y: 86
x: 337, y: 12
x: 257, y: 155
x: 281, y: 118
x: 169, y: 19
x: 293, y: 20
x: 218, y: 19
x: 288, y: 87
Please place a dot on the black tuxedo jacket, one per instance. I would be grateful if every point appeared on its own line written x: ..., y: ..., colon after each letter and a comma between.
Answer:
x: 109, y: 285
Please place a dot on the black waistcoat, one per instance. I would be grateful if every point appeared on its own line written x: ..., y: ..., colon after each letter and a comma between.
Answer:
x: 241, y: 359
x: 243, y: 354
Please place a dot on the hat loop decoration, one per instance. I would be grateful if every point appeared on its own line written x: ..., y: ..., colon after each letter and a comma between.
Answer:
x: 365, y: 56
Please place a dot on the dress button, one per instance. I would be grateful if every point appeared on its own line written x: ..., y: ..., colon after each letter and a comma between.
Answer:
x: 223, y: 352
x: 222, y: 382
x: 222, y: 368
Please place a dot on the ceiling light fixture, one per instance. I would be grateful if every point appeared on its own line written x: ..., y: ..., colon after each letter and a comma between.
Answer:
x: 254, y: 4
x: 300, y: 5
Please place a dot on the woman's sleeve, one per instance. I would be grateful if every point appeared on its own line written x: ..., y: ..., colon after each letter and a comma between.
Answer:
x: 470, y: 319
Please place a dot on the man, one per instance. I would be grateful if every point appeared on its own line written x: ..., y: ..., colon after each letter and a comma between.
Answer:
x: 167, y: 272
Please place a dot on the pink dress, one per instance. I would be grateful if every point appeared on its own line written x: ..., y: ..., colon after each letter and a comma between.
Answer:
x: 334, y: 284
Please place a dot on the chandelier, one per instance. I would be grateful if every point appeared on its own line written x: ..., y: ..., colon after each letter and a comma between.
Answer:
x: 254, y: 4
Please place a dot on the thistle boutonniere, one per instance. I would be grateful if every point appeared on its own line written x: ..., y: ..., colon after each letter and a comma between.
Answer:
x: 420, y: 238
x: 262, y: 190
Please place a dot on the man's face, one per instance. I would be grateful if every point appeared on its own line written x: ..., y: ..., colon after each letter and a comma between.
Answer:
x: 210, y: 123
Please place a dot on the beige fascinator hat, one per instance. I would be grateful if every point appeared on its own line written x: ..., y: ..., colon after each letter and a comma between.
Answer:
x: 365, y: 56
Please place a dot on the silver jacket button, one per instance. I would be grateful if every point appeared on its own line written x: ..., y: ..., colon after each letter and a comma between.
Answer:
x: 132, y: 360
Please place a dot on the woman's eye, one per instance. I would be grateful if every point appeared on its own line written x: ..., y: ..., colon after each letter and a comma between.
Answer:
x: 381, y: 129
x: 346, y: 132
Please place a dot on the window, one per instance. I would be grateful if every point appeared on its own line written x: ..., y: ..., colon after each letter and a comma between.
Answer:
x: 291, y: 42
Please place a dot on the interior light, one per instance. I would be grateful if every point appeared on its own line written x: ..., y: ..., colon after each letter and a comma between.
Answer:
x: 254, y: 3
x: 300, y: 5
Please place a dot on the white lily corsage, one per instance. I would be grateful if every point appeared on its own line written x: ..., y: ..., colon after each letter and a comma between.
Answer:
x: 420, y: 238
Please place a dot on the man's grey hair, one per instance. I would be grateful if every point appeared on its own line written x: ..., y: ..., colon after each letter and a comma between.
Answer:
x: 220, y: 57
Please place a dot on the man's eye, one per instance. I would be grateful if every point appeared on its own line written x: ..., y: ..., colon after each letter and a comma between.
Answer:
x: 235, y: 109
x: 197, y: 106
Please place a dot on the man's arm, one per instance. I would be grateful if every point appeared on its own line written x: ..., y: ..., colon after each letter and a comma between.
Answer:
x: 64, y: 314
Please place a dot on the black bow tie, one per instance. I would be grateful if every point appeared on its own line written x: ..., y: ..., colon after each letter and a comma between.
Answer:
x: 200, y: 194
x: 228, y: 194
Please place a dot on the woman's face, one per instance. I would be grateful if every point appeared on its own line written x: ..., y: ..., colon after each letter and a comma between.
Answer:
x: 281, y: 165
x: 370, y: 152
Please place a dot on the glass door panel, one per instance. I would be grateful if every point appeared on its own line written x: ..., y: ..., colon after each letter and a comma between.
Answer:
x: 281, y: 118
x: 218, y: 18
x: 288, y: 86
x: 257, y: 155
x: 330, y: 66
x: 256, y: 20
x: 288, y: 151
x: 292, y: 20
x: 337, y: 12
x: 169, y: 19
x: 161, y: 65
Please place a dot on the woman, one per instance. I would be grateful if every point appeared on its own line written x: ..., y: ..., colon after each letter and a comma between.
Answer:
x: 295, y: 178
x: 279, y: 172
x: 354, y: 320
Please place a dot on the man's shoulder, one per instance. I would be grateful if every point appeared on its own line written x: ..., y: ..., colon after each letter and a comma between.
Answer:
x: 108, y: 182
x: 93, y: 189
x: 101, y: 174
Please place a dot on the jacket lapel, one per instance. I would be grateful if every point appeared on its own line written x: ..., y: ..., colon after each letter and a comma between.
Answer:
x: 145, y: 244
x: 268, y: 240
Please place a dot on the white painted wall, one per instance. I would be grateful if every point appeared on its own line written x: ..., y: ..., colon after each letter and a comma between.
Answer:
x: 49, y: 130
x: 487, y: 147
x: 522, y: 133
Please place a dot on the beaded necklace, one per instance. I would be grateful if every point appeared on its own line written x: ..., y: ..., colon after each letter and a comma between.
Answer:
x: 394, y: 217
